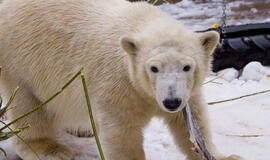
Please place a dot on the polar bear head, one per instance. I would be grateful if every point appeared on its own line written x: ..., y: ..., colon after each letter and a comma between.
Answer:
x: 169, y: 67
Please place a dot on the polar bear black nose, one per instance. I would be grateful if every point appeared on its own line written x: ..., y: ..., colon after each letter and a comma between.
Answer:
x: 172, y: 104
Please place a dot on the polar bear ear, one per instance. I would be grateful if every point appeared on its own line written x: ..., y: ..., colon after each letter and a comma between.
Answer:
x: 130, y: 45
x: 209, y: 40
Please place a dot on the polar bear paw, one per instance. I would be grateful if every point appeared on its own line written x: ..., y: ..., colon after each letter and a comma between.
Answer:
x: 57, y: 153
x: 45, y: 150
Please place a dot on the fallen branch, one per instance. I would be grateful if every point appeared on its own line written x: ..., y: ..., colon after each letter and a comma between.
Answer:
x: 237, y: 98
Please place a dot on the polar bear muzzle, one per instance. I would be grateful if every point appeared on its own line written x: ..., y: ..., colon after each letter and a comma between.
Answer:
x: 172, y: 93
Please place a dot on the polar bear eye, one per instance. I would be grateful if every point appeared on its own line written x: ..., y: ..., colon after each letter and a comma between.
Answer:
x: 186, y: 68
x: 154, y: 69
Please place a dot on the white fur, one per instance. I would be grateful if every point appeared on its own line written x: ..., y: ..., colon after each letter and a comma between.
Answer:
x: 44, y: 42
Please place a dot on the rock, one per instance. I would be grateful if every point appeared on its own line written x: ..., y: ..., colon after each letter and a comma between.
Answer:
x: 229, y: 74
x: 255, y: 71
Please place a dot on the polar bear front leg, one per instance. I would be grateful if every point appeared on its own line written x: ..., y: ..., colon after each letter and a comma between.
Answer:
x: 121, y: 137
x: 180, y: 134
x: 41, y: 136
x: 47, y: 149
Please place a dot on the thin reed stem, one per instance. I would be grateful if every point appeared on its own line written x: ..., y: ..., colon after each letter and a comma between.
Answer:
x: 237, y: 98
x: 92, y: 117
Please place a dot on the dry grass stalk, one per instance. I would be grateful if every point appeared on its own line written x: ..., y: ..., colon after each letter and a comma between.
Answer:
x: 247, y: 136
x: 217, y: 77
x: 92, y: 118
x: 237, y: 98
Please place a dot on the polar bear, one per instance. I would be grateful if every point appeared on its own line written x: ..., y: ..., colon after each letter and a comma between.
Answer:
x: 139, y: 63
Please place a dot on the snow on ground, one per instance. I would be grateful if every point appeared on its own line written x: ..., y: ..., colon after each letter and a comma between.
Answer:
x: 247, y: 116
x: 229, y: 121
